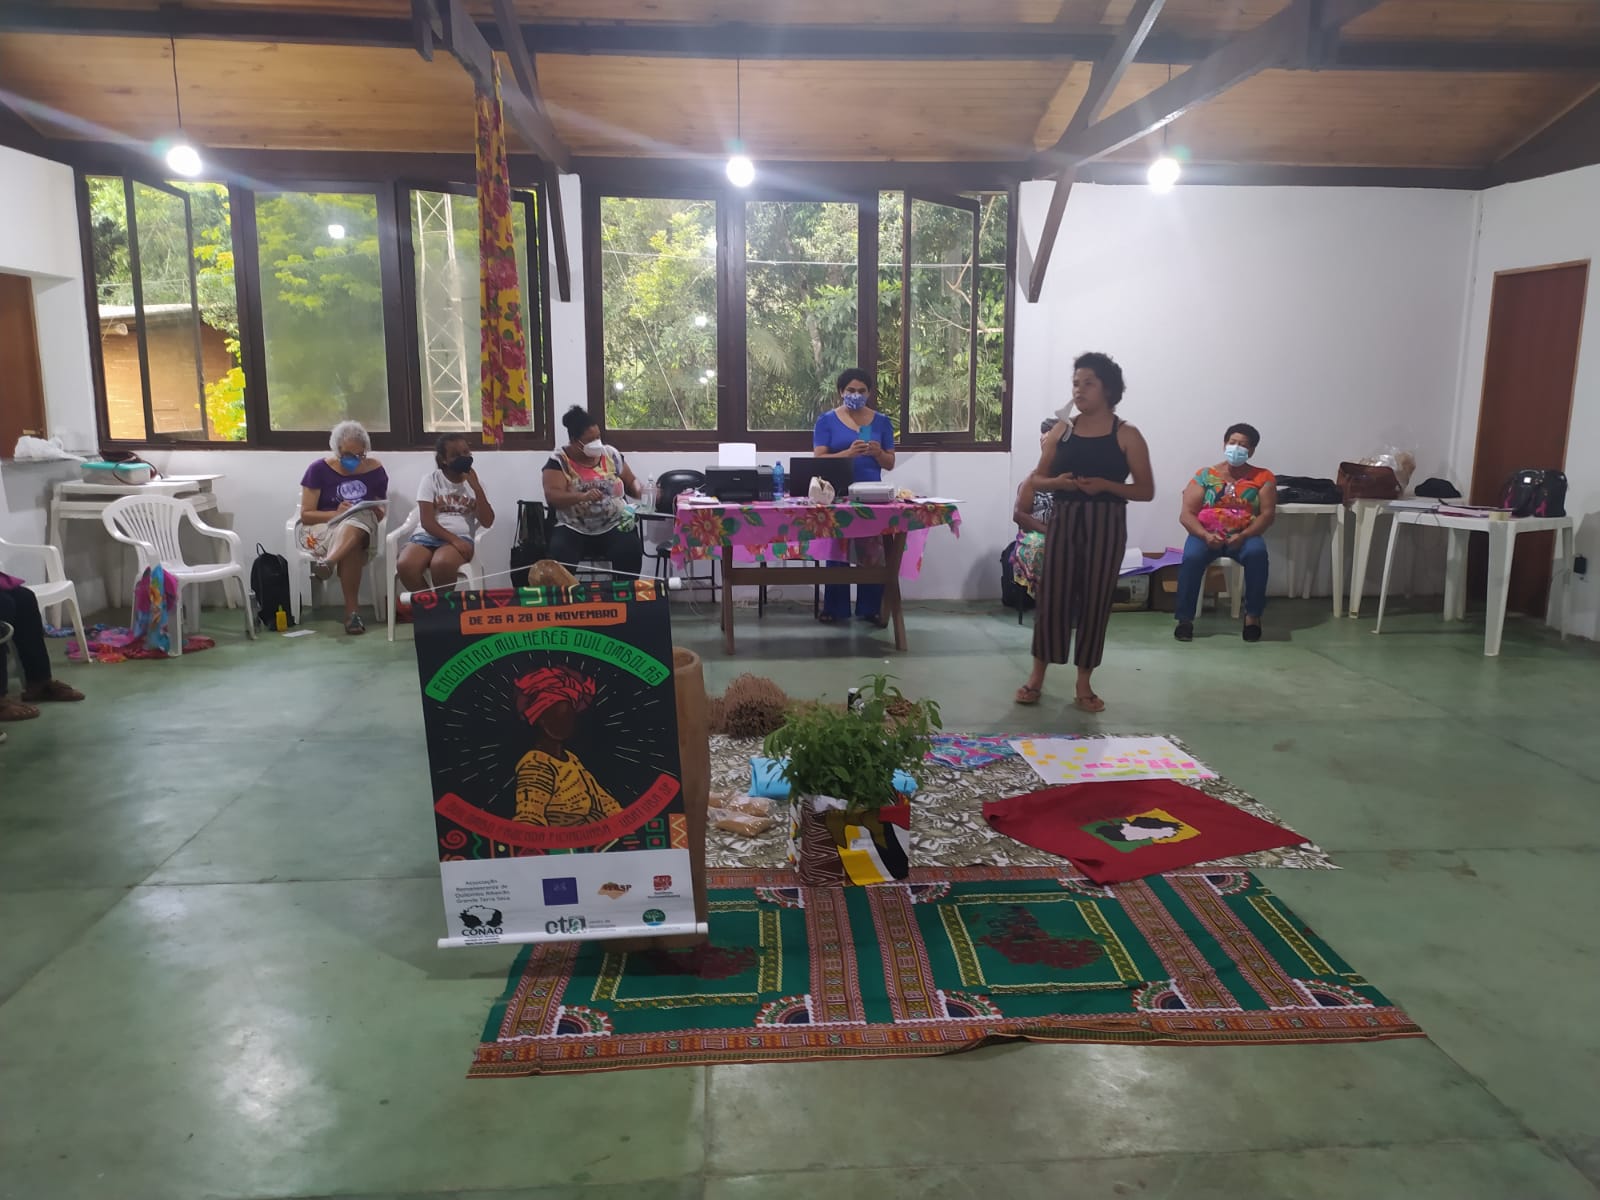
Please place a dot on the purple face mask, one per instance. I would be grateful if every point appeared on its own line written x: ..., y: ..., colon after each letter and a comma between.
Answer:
x: 854, y: 401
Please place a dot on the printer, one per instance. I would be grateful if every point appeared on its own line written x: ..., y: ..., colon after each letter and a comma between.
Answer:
x: 739, y: 485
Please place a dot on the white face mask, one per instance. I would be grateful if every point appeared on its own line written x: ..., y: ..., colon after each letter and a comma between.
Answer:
x: 595, y: 448
x: 1066, y: 410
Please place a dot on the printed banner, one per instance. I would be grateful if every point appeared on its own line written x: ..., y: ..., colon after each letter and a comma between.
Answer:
x: 1085, y: 760
x: 553, y: 751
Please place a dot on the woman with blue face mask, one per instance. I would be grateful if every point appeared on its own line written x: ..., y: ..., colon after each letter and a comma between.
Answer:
x: 330, y: 488
x: 854, y: 429
x: 1226, y: 510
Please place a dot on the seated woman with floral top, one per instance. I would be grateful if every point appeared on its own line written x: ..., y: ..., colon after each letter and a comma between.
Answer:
x: 1226, y: 509
x: 1031, y: 515
x: 588, y: 484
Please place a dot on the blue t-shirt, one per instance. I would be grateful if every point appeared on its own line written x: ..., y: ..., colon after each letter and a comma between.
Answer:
x: 834, y: 435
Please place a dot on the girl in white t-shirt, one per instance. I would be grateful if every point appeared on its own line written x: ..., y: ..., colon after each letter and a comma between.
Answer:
x: 454, y: 507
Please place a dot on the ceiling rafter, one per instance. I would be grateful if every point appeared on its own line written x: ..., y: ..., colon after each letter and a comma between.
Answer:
x: 741, y: 40
x: 448, y: 23
x: 1108, y: 73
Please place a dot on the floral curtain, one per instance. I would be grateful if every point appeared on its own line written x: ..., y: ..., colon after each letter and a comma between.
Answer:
x: 503, y: 343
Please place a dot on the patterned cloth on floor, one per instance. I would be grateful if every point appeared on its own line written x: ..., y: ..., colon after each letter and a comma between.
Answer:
x: 967, y: 751
x: 155, y: 597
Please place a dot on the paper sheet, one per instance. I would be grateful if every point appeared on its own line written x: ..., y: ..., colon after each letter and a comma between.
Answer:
x: 1079, y: 760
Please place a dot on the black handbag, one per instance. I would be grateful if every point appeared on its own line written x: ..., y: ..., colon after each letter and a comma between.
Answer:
x: 533, y: 540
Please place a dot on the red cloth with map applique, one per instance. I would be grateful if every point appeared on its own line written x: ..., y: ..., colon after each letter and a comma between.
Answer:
x: 1125, y: 829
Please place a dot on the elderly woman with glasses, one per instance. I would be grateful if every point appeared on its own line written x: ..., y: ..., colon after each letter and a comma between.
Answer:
x: 341, y: 493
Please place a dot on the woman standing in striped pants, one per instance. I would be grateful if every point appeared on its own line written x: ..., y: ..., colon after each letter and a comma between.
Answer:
x: 1087, y: 463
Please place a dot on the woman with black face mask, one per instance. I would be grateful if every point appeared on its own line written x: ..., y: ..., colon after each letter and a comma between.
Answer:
x: 454, y: 507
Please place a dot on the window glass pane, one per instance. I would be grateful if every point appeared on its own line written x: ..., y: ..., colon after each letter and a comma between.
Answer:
x: 219, y: 310
x: 942, y: 283
x: 322, y: 310
x: 119, y: 330
x: 444, y: 239
x: 171, y: 318
x: 992, y: 301
x: 890, y: 219
x: 658, y: 274
x: 800, y: 308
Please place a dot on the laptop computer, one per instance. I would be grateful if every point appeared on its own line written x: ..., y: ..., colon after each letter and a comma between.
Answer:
x: 803, y: 469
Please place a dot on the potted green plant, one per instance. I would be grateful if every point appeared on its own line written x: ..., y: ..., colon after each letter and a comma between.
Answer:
x: 849, y: 822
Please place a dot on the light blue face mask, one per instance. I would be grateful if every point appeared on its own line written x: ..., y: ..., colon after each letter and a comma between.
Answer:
x: 1236, y: 454
x: 350, y: 462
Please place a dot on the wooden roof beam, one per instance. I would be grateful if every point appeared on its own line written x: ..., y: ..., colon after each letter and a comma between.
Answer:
x: 523, y: 108
x: 1292, y: 38
x: 739, y: 40
x: 1108, y: 73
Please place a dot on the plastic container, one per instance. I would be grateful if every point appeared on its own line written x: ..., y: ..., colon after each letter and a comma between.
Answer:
x: 118, y: 472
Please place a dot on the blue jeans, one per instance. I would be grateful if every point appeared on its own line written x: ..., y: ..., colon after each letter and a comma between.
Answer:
x: 1251, y: 554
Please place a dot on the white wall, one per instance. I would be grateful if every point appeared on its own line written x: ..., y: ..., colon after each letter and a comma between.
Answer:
x: 1538, y: 223
x: 1330, y: 318
x: 39, y: 238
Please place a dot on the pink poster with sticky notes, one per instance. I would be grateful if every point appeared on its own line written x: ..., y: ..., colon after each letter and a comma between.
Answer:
x: 1102, y: 759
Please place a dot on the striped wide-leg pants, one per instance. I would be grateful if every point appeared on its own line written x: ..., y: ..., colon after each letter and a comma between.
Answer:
x: 1083, y: 548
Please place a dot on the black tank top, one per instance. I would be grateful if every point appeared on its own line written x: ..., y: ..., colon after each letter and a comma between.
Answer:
x: 1091, y: 458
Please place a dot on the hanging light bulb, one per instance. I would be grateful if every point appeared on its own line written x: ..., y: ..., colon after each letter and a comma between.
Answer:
x: 741, y: 171
x: 1163, y: 174
x: 181, y: 157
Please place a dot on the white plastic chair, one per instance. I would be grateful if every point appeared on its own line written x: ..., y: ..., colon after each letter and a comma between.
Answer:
x: 300, y: 560
x: 471, y: 573
x: 56, y: 589
x: 151, y: 525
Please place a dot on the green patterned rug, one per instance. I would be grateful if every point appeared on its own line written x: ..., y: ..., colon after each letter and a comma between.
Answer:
x: 953, y: 960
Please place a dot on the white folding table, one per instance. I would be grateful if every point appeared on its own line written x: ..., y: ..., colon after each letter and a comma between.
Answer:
x: 1502, y: 533
x: 1299, y: 560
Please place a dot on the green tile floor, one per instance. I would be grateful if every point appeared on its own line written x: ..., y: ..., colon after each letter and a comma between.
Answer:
x: 218, y: 975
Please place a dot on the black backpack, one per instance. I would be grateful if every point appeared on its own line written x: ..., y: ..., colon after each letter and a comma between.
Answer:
x: 1534, y: 493
x: 1012, y: 595
x: 269, y: 580
x: 533, y: 540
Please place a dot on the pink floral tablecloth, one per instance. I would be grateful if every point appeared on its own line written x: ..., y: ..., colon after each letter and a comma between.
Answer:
x: 775, y: 532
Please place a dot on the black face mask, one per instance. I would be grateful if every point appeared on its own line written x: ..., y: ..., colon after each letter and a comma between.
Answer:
x: 462, y: 464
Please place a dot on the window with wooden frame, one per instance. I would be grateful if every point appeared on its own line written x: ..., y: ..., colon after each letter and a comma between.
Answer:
x: 307, y: 304
x: 719, y: 316
x: 165, y: 321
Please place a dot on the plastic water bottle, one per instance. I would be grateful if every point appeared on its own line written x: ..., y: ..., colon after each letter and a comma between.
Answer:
x: 777, y: 481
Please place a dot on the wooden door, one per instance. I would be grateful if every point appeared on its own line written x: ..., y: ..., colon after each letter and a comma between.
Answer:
x: 1529, y: 370
x: 21, y: 379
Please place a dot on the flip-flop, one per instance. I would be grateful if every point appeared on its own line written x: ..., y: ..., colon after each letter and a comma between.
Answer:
x: 1089, y: 704
x: 1028, y: 695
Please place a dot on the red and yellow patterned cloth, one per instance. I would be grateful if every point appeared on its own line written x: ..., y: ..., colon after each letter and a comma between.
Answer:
x: 503, y: 344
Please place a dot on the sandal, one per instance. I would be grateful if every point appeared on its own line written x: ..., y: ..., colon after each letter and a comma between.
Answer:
x: 15, y: 710
x: 1027, y: 694
x: 1089, y: 704
x: 321, y: 569
x: 353, y: 624
x: 50, y: 690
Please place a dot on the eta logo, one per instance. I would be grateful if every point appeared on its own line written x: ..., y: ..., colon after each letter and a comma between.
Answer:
x: 566, y: 925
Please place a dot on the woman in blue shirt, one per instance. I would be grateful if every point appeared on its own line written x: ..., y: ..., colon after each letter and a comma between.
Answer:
x: 857, y: 431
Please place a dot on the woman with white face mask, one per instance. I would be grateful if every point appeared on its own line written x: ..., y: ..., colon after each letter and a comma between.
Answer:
x: 586, y: 482
x: 1226, y: 509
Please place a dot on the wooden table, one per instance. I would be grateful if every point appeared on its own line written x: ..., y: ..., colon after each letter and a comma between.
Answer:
x: 1502, y: 533
x: 787, y: 530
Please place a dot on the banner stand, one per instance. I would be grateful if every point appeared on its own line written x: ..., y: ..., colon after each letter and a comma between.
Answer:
x: 570, y: 766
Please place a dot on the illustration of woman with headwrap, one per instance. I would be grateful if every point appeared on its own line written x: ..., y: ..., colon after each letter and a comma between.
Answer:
x: 553, y: 787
